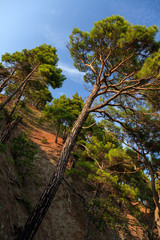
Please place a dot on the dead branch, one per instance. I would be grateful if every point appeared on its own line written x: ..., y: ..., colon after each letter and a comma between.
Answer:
x: 74, y: 191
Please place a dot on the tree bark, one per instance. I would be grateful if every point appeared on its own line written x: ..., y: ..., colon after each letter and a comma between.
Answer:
x: 8, y: 130
x: 64, y: 133
x: 23, y: 82
x: 156, y: 201
x: 157, y: 220
x: 4, y: 83
x: 16, y: 103
x: 57, y: 133
x: 42, y: 206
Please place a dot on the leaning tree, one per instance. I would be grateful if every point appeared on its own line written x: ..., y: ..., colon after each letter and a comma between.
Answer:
x: 33, y: 70
x: 111, y: 55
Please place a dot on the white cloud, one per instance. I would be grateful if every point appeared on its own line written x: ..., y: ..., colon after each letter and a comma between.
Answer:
x: 72, y: 73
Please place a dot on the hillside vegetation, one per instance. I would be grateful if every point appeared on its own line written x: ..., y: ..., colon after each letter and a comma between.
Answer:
x: 93, y: 203
x: 88, y: 167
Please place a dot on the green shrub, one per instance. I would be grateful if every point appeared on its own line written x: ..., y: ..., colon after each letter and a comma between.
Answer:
x: 3, y: 148
x: 23, y: 103
x: 44, y: 140
x: 129, y: 192
x: 75, y: 173
x: 40, y: 120
x: 27, y: 203
x: 104, y: 213
x: 23, y: 151
x: 10, y: 160
x: 87, y: 166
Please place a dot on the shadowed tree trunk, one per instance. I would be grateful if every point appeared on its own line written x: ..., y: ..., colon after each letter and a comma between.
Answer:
x: 157, y: 213
x: 64, y: 133
x: 5, y: 81
x: 156, y: 201
x: 16, y: 103
x: 9, y: 129
x: 42, y: 206
x: 57, y: 133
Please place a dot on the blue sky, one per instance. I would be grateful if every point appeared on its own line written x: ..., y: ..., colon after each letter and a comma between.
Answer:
x: 27, y: 24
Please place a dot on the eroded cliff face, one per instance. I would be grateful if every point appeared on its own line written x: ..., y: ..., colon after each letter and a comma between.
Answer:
x: 66, y: 218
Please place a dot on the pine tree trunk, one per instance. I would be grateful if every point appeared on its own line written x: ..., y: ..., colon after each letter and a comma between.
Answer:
x: 156, y: 201
x: 37, y: 104
x: 157, y: 220
x: 14, y: 93
x: 4, y: 83
x: 42, y: 206
x: 58, y: 129
x: 64, y: 134
x: 16, y: 103
x: 9, y: 129
x: 157, y: 214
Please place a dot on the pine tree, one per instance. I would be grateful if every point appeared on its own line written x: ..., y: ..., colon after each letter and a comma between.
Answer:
x: 111, y: 55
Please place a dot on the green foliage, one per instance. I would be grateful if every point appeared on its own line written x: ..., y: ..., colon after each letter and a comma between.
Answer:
x: 40, y: 120
x: 151, y: 66
x: 44, y: 140
x: 27, y: 203
x: 10, y: 160
x: 64, y: 108
x: 87, y: 166
x: 23, y: 104
x: 45, y: 55
x: 105, y: 212
x: 23, y: 151
x: 128, y: 192
x: 4, y: 73
x: 3, y: 148
x: 48, y: 74
x: 75, y: 173
x: 63, y: 111
x: 111, y: 33
x: 107, y: 177
x: 121, y: 61
x: 120, y: 185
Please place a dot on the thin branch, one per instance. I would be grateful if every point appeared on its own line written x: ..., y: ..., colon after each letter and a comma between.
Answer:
x: 120, y: 64
x: 114, y: 120
x: 90, y: 66
x: 89, y: 126
x: 3, y: 84
x: 105, y: 103
x: 122, y: 106
x: 90, y: 155
x: 75, y: 192
x: 138, y: 169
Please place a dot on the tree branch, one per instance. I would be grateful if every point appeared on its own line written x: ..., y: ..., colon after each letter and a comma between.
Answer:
x: 75, y: 192
x: 89, y: 126
x: 90, y: 155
